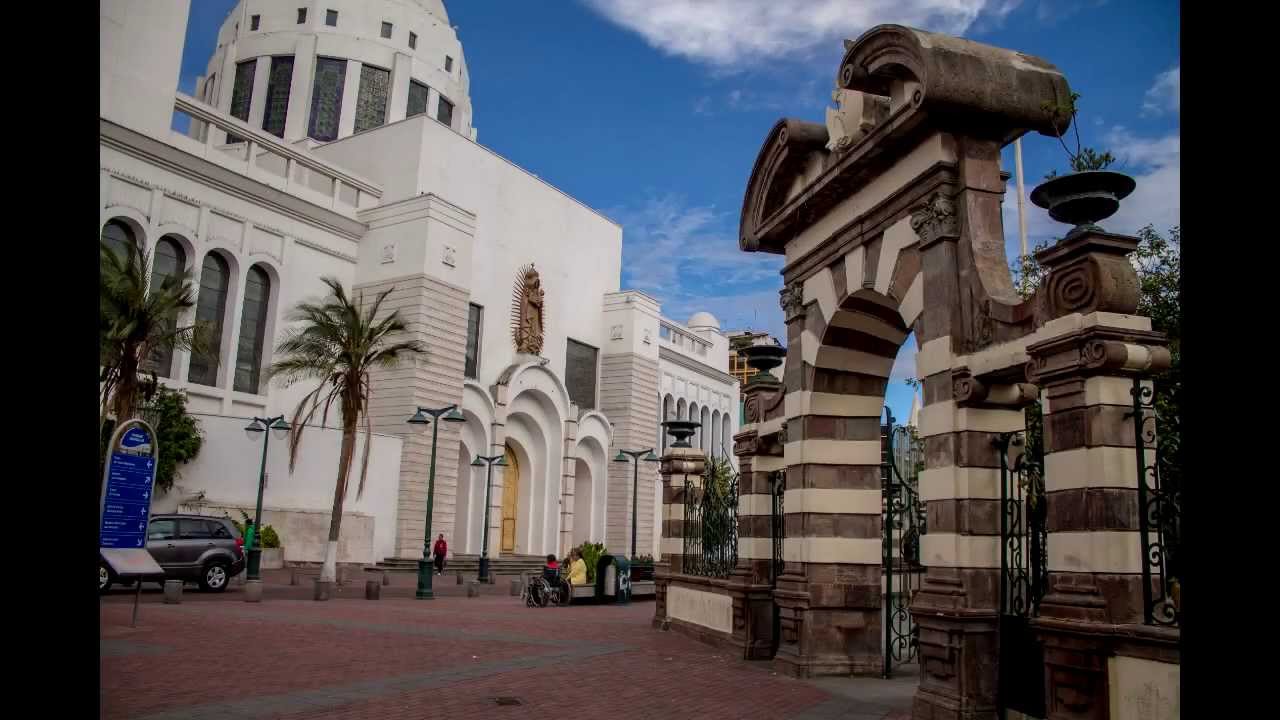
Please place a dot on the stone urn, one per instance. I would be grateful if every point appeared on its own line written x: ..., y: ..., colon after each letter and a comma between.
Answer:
x: 764, y: 358
x: 1082, y: 199
x: 681, y: 430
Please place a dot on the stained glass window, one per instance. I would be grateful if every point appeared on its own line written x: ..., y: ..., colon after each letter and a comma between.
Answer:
x: 242, y: 93
x: 253, y: 330
x: 472, y: 362
x: 371, y: 103
x: 580, y: 374
x: 326, y: 98
x: 417, y: 99
x: 211, y: 306
x: 278, y: 83
x: 169, y: 263
x: 444, y: 113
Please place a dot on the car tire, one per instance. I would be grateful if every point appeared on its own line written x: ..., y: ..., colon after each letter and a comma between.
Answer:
x: 104, y: 578
x: 215, y: 576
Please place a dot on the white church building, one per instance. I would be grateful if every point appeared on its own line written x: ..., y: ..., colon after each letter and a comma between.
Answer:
x: 335, y: 138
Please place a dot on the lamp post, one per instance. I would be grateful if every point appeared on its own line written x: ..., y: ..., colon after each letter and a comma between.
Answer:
x: 635, y: 484
x: 481, y: 461
x: 424, y: 416
x: 260, y: 425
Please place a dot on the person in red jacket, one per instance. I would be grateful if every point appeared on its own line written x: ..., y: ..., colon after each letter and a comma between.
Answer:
x: 440, y: 550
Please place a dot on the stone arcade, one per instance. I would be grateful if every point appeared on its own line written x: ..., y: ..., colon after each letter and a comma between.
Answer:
x: 889, y: 220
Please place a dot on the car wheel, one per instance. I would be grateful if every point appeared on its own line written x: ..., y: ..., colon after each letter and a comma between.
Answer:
x: 215, y: 577
x: 104, y: 578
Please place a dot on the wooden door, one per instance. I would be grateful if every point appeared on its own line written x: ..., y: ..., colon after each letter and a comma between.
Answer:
x: 510, y: 496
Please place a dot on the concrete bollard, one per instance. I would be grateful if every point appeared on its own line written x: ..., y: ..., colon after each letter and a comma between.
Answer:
x: 253, y: 591
x: 386, y: 578
x: 293, y: 576
x: 473, y: 589
x: 372, y: 590
x: 459, y: 578
x: 515, y: 588
x: 172, y: 592
x: 323, y: 589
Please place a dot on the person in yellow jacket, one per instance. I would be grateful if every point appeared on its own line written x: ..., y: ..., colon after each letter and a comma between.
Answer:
x: 577, y: 569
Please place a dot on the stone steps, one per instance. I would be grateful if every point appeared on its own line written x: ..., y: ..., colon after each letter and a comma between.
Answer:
x: 505, y: 565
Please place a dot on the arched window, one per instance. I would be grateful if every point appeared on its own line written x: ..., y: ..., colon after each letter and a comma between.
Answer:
x: 211, y: 307
x: 682, y: 410
x: 694, y: 416
x: 706, y: 438
x: 119, y: 237
x: 668, y: 413
x: 724, y: 433
x: 253, y: 330
x: 170, y: 261
x: 715, y: 436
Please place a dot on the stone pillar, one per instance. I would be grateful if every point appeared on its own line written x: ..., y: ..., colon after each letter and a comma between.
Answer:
x: 957, y: 606
x: 1092, y: 349
x: 569, y: 472
x: 760, y: 457
x: 679, y: 466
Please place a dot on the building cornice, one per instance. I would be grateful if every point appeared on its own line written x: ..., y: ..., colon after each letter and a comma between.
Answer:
x: 676, y: 358
x: 182, y: 163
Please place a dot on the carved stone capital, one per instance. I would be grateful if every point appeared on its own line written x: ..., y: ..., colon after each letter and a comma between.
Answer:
x: 970, y: 391
x: 936, y: 220
x: 791, y: 298
x: 1097, y: 350
x: 1089, y: 272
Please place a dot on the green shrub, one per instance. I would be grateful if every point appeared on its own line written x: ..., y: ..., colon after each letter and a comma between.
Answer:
x: 269, y: 537
x: 642, y: 560
x: 591, y: 553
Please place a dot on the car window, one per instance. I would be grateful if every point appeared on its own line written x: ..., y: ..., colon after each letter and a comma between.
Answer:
x: 195, y: 529
x: 220, y: 531
x: 162, y: 530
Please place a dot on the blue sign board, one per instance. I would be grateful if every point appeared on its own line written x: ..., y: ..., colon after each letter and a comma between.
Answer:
x: 126, y: 502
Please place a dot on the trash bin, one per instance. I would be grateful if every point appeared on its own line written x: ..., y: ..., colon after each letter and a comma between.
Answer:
x: 613, y: 579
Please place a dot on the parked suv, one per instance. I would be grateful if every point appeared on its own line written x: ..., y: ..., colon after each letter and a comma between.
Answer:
x: 206, y: 550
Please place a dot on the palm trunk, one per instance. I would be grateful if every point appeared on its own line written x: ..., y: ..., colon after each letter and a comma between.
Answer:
x: 329, y: 571
x: 126, y: 389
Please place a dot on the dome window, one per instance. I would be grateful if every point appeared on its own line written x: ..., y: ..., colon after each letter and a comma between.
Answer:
x: 387, y: 28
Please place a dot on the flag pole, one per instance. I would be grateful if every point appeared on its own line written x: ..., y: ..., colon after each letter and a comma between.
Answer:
x: 1022, y: 220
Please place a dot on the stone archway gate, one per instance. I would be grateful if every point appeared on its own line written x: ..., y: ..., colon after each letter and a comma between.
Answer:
x: 889, y: 218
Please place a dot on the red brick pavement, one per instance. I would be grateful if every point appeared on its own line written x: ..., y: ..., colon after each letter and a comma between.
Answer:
x: 402, y: 658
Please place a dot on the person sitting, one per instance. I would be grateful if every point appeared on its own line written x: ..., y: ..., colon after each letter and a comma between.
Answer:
x: 577, y: 569
x: 551, y: 571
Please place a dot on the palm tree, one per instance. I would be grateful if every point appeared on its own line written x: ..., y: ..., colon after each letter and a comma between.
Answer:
x: 338, y: 344
x: 136, y: 320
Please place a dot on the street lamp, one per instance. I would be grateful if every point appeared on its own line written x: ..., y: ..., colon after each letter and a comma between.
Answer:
x: 424, y: 416
x: 259, y: 427
x: 635, y: 484
x: 488, y: 484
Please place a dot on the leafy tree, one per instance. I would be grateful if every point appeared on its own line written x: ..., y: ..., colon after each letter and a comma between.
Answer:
x: 136, y: 320
x: 339, y: 344
x: 178, y: 433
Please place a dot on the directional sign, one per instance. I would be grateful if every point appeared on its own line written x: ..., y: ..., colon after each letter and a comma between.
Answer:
x: 126, y: 497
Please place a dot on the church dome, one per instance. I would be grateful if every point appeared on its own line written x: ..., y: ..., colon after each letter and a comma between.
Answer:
x: 704, y: 320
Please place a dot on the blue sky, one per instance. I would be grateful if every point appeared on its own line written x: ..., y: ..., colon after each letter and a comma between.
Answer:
x: 652, y: 111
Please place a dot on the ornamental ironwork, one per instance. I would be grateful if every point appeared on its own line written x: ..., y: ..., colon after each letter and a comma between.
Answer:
x: 903, y: 524
x: 1159, y: 514
x: 710, y: 546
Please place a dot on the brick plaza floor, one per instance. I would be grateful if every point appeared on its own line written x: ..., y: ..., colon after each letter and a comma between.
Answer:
x: 215, y: 656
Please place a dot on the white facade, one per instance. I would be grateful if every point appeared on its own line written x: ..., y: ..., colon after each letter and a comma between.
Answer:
x: 415, y: 207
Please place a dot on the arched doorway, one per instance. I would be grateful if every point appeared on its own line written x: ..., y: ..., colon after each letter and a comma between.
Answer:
x: 510, y: 500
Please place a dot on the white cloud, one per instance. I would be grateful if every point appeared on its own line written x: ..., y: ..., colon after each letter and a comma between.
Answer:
x: 1164, y: 95
x: 702, y: 106
x: 730, y: 33
x: 687, y: 257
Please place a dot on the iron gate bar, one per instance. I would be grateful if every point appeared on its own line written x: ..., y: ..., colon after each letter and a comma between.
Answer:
x: 1159, y: 513
x: 902, y: 512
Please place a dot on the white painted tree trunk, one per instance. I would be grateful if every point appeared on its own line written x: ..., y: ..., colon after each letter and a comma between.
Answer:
x: 329, y: 570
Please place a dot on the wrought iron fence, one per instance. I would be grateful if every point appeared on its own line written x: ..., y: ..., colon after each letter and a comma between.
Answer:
x: 903, y: 524
x: 1024, y: 553
x: 777, y: 524
x: 710, y: 545
x: 1159, y: 512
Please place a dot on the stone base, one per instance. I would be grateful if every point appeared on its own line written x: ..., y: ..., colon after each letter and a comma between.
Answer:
x: 516, y: 587
x: 372, y: 589
x: 172, y: 592
x: 323, y: 589
x: 253, y: 591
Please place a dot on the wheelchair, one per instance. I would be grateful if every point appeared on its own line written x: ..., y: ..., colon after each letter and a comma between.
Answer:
x: 547, y: 589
